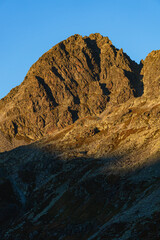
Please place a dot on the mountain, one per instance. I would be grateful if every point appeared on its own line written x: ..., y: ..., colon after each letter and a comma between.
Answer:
x: 92, y: 169
x: 78, y: 77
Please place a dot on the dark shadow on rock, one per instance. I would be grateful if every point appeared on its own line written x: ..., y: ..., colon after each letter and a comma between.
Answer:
x: 55, y: 71
x: 10, y: 205
x: 92, y: 196
x: 104, y: 89
x: 15, y: 127
x: 95, y: 52
x: 135, y: 83
x: 63, y: 47
x: 74, y: 114
x: 47, y: 90
x: 135, y: 77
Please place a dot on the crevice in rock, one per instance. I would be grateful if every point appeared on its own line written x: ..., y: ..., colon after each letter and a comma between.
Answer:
x: 74, y: 114
x: 136, y: 82
x: 47, y: 90
x: 63, y: 47
x: 95, y: 51
x: 104, y: 89
x: 15, y: 128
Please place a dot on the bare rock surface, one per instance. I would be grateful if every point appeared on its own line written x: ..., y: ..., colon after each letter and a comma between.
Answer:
x: 151, y: 75
x: 94, y: 171
x: 95, y: 179
x: 78, y: 77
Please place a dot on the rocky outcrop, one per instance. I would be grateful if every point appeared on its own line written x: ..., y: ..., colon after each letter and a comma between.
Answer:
x: 151, y: 75
x: 96, y: 179
x: 78, y: 77
x: 94, y: 172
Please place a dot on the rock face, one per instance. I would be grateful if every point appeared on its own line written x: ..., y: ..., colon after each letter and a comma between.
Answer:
x: 151, y: 75
x: 94, y: 173
x: 96, y: 179
x: 78, y: 77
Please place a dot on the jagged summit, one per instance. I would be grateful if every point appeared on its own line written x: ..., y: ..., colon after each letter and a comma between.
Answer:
x: 79, y: 77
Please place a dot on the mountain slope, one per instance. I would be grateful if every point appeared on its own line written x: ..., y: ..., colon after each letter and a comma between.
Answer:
x: 94, y: 171
x: 78, y: 77
x: 96, y: 179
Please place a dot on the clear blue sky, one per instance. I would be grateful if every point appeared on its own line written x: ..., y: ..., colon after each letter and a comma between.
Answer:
x: 28, y: 28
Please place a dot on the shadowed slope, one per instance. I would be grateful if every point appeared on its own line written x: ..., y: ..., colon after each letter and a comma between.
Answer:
x: 96, y: 179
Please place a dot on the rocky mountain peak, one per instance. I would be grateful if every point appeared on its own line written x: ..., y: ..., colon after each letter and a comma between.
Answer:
x: 90, y: 119
x: 79, y: 77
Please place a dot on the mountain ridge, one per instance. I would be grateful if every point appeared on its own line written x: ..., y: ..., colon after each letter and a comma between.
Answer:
x: 78, y: 77
x: 87, y: 124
